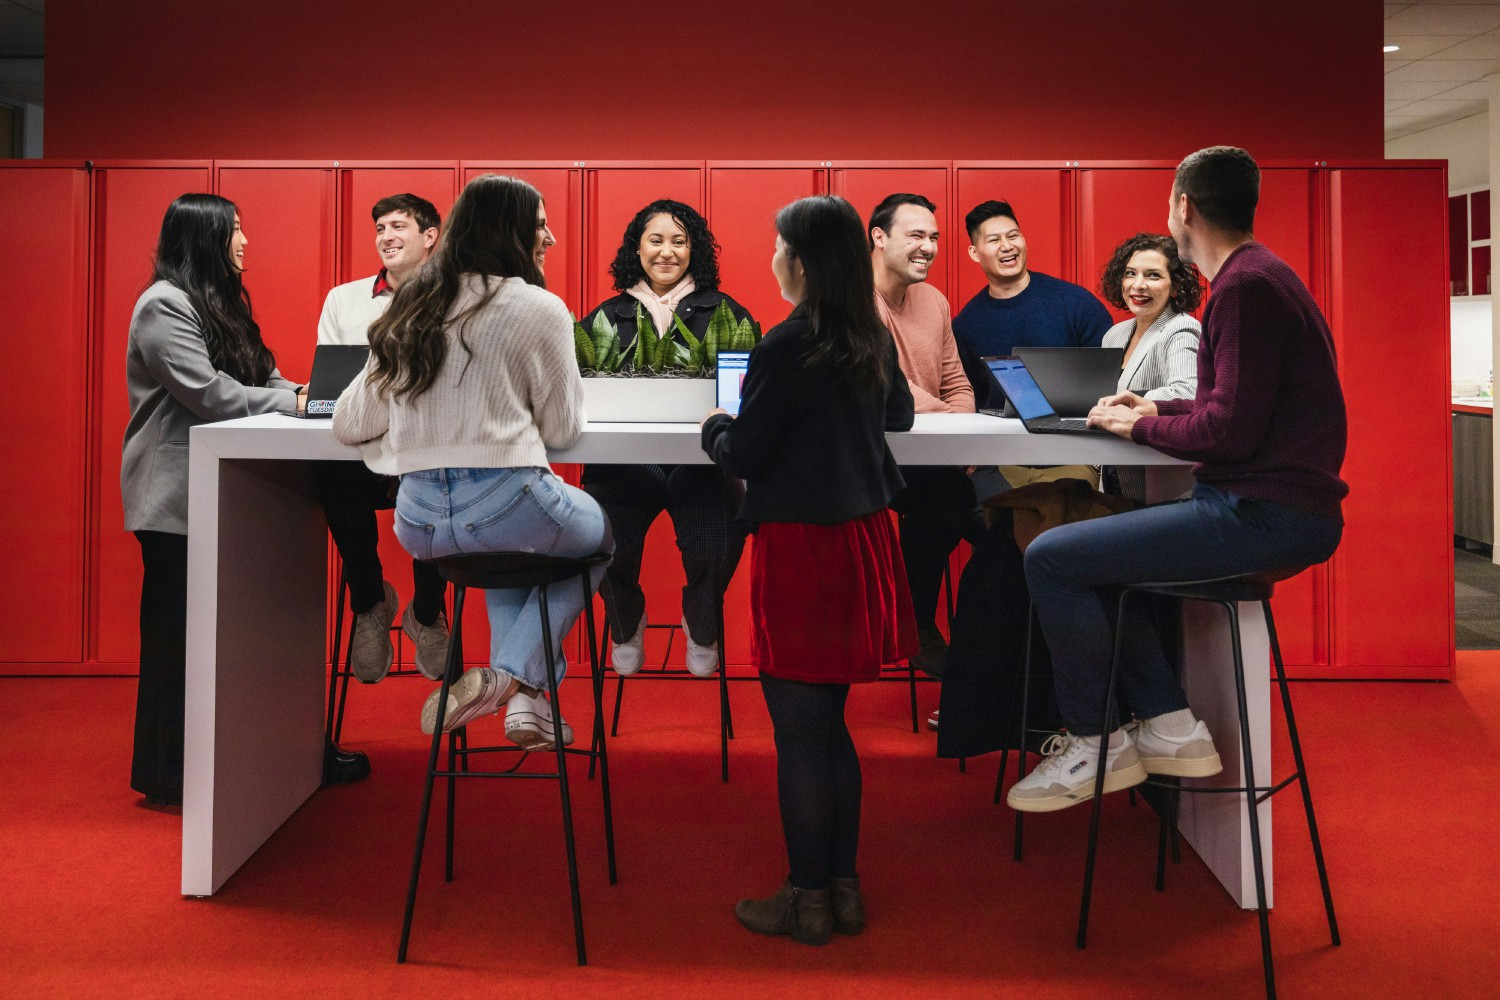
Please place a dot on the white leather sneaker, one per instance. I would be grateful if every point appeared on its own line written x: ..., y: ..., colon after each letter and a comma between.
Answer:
x: 1066, y: 774
x: 702, y: 661
x: 626, y: 657
x: 528, y: 722
x: 1190, y: 756
x: 480, y: 691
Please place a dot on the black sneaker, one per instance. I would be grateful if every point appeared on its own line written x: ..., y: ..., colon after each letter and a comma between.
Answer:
x: 342, y: 766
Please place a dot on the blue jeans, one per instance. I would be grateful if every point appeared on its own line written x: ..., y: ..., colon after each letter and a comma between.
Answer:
x: 445, y: 512
x: 1071, y: 569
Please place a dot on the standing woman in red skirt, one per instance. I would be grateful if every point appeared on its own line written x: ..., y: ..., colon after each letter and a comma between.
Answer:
x: 828, y: 595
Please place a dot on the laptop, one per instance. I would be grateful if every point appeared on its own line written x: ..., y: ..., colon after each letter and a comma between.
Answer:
x: 334, y: 367
x: 1031, y: 404
x: 1074, y: 378
x: 730, y: 380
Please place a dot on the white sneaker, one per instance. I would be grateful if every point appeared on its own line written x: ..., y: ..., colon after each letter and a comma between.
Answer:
x: 626, y: 657
x: 1066, y: 774
x: 429, y: 641
x: 702, y: 661
x: 480, y: 691
x: 370, y: 651
x: 1190, y: 756
x: 932, y: 720
x: 528, y: 722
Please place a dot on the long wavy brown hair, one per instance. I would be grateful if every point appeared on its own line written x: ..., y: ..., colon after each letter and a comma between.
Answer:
x: 491, y: 232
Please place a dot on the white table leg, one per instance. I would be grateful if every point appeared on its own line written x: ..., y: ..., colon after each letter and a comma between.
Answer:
x: 257, y: 564
x: 1218, y: 826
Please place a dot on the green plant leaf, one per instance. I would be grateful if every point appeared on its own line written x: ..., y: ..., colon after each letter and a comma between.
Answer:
x: 744, y: 336
x: 583, y: 347
x: 647, y: 342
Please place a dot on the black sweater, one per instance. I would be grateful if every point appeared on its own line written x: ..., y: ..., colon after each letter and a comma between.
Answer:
x: 807, y: 451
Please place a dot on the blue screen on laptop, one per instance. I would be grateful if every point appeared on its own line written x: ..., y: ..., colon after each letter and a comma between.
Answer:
x: 730, y: 373
x: 1020, y: 388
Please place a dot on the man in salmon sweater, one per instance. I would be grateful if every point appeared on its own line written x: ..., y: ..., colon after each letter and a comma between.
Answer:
x: 938, y: 505
x: 1268, y: 431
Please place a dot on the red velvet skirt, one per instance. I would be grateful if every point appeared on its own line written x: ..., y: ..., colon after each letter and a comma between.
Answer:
x: 829, y: 603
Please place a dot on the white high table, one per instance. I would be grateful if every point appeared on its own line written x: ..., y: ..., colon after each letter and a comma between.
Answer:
x: 256, y: 653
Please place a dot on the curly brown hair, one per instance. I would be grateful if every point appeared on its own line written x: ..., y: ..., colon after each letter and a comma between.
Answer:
x: 1187, y: 283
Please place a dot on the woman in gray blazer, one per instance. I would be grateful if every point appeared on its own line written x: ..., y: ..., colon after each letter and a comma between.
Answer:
x: 195, y: 355
x: 1146, y: 276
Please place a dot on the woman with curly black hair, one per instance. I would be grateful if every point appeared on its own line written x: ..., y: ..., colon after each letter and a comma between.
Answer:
x: 667, y: 269
x: 1146, y: 276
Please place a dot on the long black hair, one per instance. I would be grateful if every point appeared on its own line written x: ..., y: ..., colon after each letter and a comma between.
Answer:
x: 703, y: 252
x: 491, y: 232
x: 826, y: 235
x: 192, y: 253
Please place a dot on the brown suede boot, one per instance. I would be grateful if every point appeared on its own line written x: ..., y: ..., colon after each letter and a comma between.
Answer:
x: 848, y: 907
x: 802, y: 913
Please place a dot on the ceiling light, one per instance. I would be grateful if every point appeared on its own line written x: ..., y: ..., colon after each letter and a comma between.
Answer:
x: 1391, y: 48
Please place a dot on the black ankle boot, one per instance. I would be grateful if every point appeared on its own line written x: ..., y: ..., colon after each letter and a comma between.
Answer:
x: 802, y: 913
x: 847, y: 905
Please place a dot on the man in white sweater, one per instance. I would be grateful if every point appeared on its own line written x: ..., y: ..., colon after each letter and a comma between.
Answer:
x: 406, y: 230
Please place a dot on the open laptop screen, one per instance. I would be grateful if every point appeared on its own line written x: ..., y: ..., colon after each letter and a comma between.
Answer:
x: 1019, y: 387
x: 732, y: 366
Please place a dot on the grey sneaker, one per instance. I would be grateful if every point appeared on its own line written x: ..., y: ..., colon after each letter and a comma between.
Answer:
x: 626, y: 657
x: 701, y: 661
x: 528, y: 722
x: 480, y: 691
x: 370, y: 650
x: 429, y: 641
x: 1190, y: 756
x: 1066, y: 774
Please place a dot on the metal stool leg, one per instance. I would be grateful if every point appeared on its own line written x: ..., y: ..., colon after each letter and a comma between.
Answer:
x: 562, y: 775
x: 453, y: 668
x: 1307, y: 804
x: 599, y: 750
x: 1025, y: 720
x: 1252, y: 802
x: 1105, y: 729
x: 336, y: 719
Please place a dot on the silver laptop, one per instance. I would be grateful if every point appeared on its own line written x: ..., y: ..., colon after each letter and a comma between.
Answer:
x: 730, y: 379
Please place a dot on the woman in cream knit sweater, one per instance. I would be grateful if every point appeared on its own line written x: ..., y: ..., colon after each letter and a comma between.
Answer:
x: 471, y: 379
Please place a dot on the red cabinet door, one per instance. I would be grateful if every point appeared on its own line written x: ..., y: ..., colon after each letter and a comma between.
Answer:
x: 562, y: 190
x: 287, y: 214
x: 866, y: 186
x: 612, y: 196
x: 42, y: 406
x: 129, y: 203
x: 1114, y: 204
x: 1392, y: 594
x: 360, y: 187
x: 1043, y: 200
x: 742, y: 207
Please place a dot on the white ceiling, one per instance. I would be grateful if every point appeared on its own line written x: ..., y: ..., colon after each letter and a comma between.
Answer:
x: 1448, y: 47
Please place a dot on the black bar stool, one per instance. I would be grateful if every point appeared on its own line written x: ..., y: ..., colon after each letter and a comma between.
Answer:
x: 1226, y: 592
x: 907, y: 674
x: 666, y: 673
x: 504, y: 571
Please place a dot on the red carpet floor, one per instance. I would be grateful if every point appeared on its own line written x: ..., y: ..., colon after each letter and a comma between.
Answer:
x: 1405, y: 777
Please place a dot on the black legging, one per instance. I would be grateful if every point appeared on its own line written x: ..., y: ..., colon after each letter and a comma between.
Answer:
x: 817, y: 779
x: 156, y: 765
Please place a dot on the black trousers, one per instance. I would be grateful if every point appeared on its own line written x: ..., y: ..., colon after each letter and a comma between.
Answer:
x: 702, y: 502
x: 351, y: 496
x: 156, y: 764
x: 818, y: 782
x: 938, y: 510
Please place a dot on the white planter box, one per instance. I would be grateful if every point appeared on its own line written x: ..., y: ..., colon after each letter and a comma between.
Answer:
x: 648, y: 400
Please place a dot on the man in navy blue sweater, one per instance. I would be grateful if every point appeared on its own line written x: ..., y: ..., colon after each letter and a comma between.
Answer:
x: 1018, y: 308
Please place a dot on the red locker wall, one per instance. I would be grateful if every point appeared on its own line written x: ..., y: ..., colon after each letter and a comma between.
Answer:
x: 742, y: 204
x: 43, y: 390
x: 612, y: 196
x: 129, y: 202
x: 1393, y: 573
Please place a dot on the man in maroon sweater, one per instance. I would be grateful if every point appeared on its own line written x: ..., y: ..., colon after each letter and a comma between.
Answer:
x: 1267, y: 429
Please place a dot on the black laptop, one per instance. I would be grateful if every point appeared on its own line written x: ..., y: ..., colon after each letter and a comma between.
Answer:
x: 334, y: 367
x: 1030, y: 403
x: 1074, y: 379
